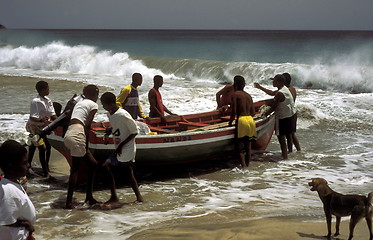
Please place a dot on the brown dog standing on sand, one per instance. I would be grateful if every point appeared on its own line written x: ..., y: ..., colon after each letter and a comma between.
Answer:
x: 341, y: 205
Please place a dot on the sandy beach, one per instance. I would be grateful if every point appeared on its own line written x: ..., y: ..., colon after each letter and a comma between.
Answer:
x: 207, y: 227
x: 277, y: 228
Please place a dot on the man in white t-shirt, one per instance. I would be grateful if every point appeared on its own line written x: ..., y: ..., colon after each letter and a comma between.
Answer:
x: 76, y: 140
x: 123, y: 131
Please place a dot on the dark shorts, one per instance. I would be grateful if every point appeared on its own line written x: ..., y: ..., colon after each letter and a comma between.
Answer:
x: 114, y: 162
x: 285, y: 126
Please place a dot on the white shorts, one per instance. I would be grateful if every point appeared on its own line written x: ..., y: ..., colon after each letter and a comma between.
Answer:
x: 75, y: 140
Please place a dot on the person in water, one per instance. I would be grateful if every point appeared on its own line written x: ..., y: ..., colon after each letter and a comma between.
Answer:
x: 291, y: 138
x: 123, y: 130
x: 224, y: 97
x: 243, y: 109
x: 17, y: 213
x: 157, y: 108
x: 128, y: 97
x: 283, y: 106
x: 76, y: 140
x: 42, y: 112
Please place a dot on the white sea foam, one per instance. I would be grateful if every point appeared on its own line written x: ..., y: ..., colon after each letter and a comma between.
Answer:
x: 57, y: 60
x: 60, y: 61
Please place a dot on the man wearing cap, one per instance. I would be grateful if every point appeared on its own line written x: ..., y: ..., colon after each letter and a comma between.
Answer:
x: 294, y: 139
x: 283, y: 106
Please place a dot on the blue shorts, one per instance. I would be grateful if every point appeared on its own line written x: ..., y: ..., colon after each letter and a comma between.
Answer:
x: 113, y: 160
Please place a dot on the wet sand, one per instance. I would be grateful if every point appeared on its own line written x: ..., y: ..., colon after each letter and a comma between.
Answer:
x: 278, y: 228
x: 214, y: 228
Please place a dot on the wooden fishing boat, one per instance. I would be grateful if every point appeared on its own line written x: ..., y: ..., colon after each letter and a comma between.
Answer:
x: 179, y: 139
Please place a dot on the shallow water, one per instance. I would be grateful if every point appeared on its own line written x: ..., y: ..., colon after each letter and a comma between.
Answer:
x: 214, y: 200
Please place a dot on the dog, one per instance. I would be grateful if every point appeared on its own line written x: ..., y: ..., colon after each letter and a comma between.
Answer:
x: 340, y: 205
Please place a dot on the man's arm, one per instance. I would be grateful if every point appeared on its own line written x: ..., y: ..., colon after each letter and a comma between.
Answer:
x: 141, y: 113
x: 118, y: 150
x: 123, y: 95
x: 23, y: 223
x: 167, y: 111
x: 269, y: 92
x: 87, y: 126
x: 252, y: 109
x: 219, y: 93
x: 279, y: 97
x: 234, y: 110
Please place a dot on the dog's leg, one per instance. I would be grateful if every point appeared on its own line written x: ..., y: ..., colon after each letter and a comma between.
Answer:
x: 328, y: 216
x: 368, y: 218
x: 357, y: 214
x: 338, y: 222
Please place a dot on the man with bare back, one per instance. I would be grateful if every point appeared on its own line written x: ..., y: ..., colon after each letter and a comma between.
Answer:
x: 243, y: 109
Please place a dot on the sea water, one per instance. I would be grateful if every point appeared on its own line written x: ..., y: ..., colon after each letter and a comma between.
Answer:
x: 332, y: 74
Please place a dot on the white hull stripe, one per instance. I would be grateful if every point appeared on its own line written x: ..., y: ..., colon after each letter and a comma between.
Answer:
x: 169, y: 144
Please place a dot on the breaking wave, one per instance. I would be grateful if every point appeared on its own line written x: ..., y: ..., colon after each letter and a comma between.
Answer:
x: 59, y: 60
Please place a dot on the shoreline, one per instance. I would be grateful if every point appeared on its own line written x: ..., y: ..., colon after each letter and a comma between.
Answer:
x: 212, y: 227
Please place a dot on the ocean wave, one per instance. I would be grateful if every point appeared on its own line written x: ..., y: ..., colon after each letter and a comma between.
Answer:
x: 87, y: 62
x: 62, y: 60
x: 341, y: 77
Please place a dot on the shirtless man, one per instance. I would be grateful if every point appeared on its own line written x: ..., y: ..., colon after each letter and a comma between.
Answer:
x: 224, y: 97
x: 243, y: 108
x: 157, y: 108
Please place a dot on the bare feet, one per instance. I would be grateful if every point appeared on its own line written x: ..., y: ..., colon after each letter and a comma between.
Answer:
x: 69, y: 206
x: 91, y: 201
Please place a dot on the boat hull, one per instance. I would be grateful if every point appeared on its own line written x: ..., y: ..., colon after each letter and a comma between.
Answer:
x: 174, y: 148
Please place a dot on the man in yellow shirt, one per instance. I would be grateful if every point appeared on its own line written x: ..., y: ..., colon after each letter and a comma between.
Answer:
x: 128, y: 97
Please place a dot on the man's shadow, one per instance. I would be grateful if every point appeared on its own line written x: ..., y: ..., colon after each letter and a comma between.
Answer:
x: 313, y: 236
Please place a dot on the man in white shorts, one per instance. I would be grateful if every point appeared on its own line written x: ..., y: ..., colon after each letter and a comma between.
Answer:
x: 76, y: 140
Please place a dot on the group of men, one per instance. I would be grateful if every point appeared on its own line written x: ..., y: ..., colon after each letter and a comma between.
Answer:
x: 283, y: 104
x: 128, y: 98
x: 123, y: 109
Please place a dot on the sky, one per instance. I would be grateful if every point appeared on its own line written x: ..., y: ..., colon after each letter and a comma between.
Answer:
x: 188, y: 14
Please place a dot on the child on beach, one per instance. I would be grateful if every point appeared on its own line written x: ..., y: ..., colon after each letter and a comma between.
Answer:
x: 124, y: 130
x: 41, y: 112
x: 17, y: 213
x: 243, y: 108
x: 76, y: 140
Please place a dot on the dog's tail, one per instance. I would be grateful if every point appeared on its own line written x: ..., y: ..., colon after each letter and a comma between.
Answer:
x: 370, y: 196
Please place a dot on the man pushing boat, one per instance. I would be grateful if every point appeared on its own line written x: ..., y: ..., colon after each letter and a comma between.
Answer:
x: 243, y: 108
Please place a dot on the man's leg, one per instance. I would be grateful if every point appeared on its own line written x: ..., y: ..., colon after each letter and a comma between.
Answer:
x: 74, y: 170
x: 134, y: 184
x: 48, y: 150
x: 113, y: 194
x: 43, y: 163
x: 284, y: 150
x: 92, y: 165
